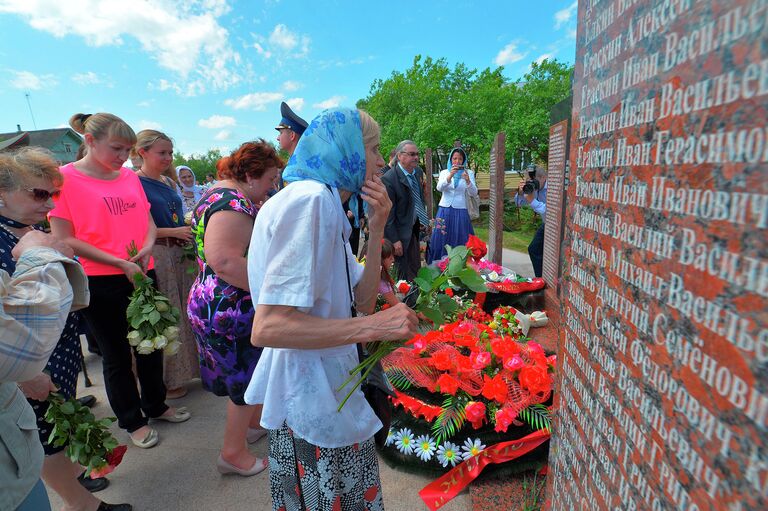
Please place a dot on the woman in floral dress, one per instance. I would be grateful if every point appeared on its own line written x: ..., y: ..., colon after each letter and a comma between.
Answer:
x: 219, y: 306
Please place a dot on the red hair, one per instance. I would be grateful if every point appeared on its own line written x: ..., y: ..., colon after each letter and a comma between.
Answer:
x: 251, y: 159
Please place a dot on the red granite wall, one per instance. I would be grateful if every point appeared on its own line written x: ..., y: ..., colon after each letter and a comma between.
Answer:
x: 663, y: 387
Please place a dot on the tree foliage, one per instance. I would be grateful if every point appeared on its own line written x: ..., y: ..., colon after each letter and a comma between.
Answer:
x: 201, y: 164
x: 435, y: 105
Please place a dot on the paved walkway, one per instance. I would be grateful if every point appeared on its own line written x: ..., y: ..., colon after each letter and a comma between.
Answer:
x: 179, y: 474
x: 519, y: 262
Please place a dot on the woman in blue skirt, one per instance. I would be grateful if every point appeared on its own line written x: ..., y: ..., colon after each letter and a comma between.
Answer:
x: 452, y: 223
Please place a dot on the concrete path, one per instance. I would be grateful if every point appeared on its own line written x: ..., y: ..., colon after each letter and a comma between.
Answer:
x: 519, y: 262
x: 179, y: 474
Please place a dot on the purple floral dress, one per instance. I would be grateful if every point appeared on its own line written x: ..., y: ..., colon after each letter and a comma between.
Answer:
x: 221, y: 314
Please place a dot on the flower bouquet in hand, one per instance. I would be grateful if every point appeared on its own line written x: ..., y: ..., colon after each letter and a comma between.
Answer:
x: 151, y: 317
x: 436, y: 302
x: 88, y: 440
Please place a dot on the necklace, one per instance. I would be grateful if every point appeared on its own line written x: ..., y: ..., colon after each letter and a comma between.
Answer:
x: 4, y: 220
x: 4, y: 226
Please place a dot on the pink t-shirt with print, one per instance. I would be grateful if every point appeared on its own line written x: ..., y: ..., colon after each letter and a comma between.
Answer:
x: 106, y: 214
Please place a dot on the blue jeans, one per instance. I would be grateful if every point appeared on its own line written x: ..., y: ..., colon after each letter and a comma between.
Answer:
x: 37, y: 500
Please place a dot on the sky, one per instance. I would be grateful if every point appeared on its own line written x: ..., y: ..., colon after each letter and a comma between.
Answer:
x: 212, y: 73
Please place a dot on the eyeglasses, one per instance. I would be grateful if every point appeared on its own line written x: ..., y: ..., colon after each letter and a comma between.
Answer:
x: 411, y: 154
x: 43, y: 195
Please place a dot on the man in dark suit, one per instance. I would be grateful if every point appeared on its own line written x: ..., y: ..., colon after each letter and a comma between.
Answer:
x: 408, y: 214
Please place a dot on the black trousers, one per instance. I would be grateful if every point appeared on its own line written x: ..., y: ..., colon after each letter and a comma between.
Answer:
x: 409, y: 263
x: 106, y: 319
x: 536, y: 250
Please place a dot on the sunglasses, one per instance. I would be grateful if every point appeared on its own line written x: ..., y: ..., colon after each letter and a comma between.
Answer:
x: 43, y: 195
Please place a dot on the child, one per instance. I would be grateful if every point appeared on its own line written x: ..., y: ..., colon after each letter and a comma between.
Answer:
x: 386, y: 285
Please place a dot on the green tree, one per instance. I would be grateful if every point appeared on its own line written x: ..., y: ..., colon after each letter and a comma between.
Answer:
x: 201, y: 164
x: 435, y: 105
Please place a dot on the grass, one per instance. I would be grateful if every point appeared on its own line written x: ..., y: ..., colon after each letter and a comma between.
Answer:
x: 519, y: 228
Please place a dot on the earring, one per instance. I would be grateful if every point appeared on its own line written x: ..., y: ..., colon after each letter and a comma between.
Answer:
x: 2, y: 203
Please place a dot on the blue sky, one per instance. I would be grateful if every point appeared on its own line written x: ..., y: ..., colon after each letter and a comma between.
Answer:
x: 212, y: 73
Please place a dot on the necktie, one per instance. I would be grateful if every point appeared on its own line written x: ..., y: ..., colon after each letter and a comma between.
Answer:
x: 418, y: 203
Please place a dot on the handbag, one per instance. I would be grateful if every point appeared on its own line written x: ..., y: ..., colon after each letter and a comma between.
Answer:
x: 473, y: 205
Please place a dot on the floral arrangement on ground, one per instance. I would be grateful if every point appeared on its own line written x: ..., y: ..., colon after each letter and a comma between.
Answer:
x: 466, y: 386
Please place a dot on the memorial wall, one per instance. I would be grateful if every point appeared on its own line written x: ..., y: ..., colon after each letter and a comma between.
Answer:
x: 663, y: 383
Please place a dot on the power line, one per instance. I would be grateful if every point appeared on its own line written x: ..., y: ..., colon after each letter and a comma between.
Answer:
x: 29, y: 104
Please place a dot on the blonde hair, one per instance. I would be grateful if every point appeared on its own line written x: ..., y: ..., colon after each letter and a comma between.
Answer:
x: 145, y: 139
x: 371, y: 130
x: 102, y: 125
x: 19, y: 166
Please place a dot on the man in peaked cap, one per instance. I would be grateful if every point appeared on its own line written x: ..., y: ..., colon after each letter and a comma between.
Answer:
x: 290, y: 129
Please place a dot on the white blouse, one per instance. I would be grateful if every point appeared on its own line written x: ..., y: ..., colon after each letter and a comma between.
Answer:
x: 453, y: 196
x: 296, y: 258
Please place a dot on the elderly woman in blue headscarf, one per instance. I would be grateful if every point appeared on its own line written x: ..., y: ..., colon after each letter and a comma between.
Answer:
x: 305, y: 283
x: 452, y: 223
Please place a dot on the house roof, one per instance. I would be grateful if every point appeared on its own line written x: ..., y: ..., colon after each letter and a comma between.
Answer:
x: 4, y: 144
x: 42, y: 138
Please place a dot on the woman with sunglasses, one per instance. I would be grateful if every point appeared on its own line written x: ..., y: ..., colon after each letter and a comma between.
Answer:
x: 29, y: 180
x: 101, y: 212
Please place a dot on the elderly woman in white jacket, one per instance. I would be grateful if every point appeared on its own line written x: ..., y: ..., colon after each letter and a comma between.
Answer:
x: 452, y: 223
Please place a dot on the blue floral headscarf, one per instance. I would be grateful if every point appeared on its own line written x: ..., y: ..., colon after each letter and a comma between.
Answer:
x: 331, y: 151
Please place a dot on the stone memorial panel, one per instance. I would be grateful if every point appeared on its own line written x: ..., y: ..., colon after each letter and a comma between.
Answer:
x: 662, y: 379
x: 496, y: 201
x: 553, y: 230
x: 429, y: 185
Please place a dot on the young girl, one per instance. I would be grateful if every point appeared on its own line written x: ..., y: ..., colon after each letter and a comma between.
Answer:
x: 102, y: 209
x: 387, y: 285
x: 155, y: 150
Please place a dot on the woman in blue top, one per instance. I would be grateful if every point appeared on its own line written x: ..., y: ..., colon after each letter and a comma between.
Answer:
x: 454, y: 182
x: 173, y: 278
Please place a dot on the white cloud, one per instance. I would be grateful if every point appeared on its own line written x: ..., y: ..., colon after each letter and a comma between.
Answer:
x: 291, y: 85
x: 296, y: 104
x: 216, y: 122
x: 27, y: 80
x: 543, y: 57
x: 564, y: 16
x: 254, y: 101
x: 222, y: 135
x: 149, y: 125
x: 184, y: 37
x: 88, y: 78
x: 282, y: 42
x: 509, y: 55
x: 144, y: 104
x: 331, y: 102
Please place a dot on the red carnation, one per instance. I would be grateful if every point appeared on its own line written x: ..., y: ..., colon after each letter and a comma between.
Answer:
x: 504, y: 418
x: 494, y: 388
x: 449, y: 291
x: 535, y: 379
x: 442, y: 360
x: 448, y: 384
x: 475, y: 411
x: 403, y: 288
x: 480, y: 360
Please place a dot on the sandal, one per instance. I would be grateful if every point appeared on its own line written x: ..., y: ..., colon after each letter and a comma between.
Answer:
x: 255, y: 434
x: 227, y: 468
x: 150, y: 440
x: 180, y: 415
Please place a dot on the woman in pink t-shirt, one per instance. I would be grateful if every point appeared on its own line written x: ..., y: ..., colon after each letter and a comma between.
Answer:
x: 102, y: 209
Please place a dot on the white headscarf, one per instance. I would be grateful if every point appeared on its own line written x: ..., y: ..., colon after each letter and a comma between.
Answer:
x: 195, y: 189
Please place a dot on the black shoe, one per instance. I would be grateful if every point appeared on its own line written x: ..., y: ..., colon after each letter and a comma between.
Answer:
x: 88, y: 400
x: 114, y: 507
x: 93, y: 485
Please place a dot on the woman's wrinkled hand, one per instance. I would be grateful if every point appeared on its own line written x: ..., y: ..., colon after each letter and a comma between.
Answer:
x: 375, y: 194
x: 395, y: 323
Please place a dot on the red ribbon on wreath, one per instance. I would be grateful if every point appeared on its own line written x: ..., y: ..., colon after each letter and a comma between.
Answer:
x: 516, y: 287
x: 440, y: 491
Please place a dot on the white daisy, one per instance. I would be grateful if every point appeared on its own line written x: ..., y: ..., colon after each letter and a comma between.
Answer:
x: 471, y: 448
x: 404, y: 441
x: 390, y: 437
x: 425, y: 447
x: 448, y: 453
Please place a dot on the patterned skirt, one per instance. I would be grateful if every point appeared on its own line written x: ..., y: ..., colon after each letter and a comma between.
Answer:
x: 174, y: 281
x: 303, y: 476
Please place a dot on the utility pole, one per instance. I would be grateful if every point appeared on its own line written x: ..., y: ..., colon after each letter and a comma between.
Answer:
x: 29, y: 104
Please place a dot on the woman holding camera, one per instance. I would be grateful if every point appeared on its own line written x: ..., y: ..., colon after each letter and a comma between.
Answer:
x: 452, y: 223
